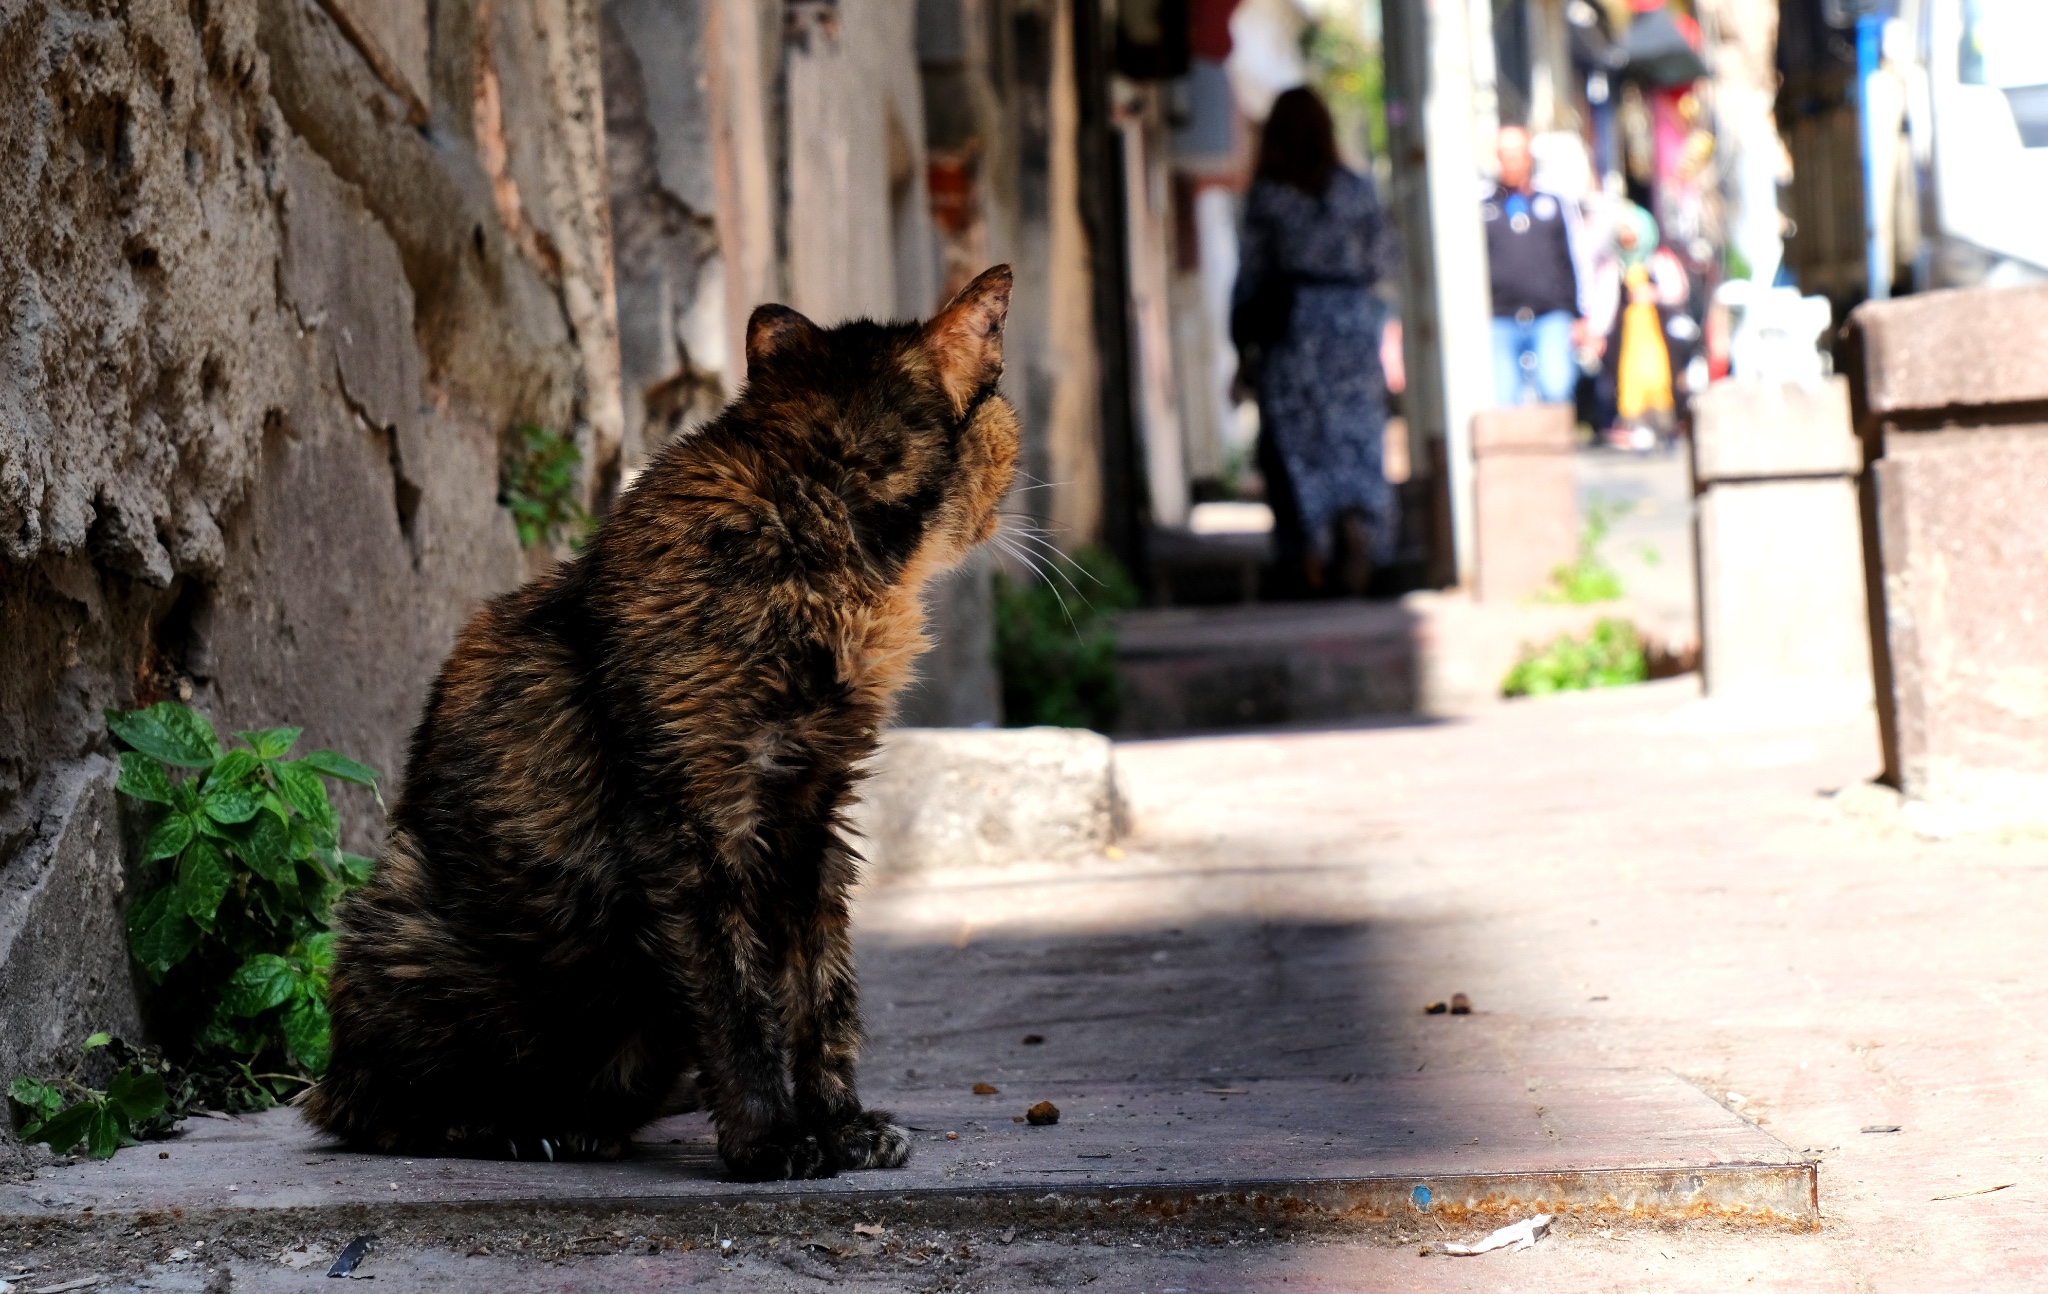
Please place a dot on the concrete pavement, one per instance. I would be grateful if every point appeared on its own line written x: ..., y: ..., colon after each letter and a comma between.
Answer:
x: 1634, y: 887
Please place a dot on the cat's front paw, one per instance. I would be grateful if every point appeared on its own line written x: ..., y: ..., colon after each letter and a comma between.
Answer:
x: 871, y: 1139
x: 782, y: 1155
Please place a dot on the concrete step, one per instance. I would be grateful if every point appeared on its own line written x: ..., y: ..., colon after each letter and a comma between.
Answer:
x: 1332, y: 1156
x: 1195, y: 669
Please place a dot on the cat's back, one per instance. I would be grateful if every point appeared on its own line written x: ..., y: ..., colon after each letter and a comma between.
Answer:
x: 506, y: 757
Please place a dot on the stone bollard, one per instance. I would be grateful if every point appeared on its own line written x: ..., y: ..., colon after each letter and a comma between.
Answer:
x: 1782, y: 611
x: 1525, y: 510
x: 1950, y: 391
x: 978, y: 797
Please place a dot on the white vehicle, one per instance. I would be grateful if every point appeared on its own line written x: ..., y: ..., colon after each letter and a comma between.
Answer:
x: 1977, y: 115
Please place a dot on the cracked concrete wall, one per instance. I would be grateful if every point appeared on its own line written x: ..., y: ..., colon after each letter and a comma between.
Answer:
x: 262, y: 339
x: 674, y: 368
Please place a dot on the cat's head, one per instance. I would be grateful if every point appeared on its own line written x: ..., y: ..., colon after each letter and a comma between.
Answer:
x: 906, y: 417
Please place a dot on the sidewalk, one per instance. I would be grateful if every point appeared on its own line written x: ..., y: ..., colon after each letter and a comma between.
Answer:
x: 1648, y: 901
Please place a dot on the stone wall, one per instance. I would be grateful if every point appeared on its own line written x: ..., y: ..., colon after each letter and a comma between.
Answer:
x: 278, y: 279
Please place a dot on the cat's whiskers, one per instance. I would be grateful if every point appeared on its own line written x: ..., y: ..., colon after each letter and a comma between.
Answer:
x: 1053, y: 552
x: 1040, y: 567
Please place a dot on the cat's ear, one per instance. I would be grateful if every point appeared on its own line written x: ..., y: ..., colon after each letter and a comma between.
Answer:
x: 966, y: 338
x: 772, y: 329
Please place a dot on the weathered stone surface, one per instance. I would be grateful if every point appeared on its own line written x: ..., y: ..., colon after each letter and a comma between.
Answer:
x: 1782, y: 607
x: 1526, y: 514
x: 1523, y: 429
x: 1962, y: 535
x: 671, y: 290
x: 1970, y: 346
x: 263, y: 338
x: 1781, y: 592
x: 956, y: 797
x: 1744, y: 430
x: 63, y: 946
x: 1950, y: 413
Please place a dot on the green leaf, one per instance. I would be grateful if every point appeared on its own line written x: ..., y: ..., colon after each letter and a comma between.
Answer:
x: 265, y: 845
x: 145, y: 777
x: 185, y: 797
x: 167, y: 838
x: 307, y: 794
x: 264, y: 981
x: 356, y: 869
x: 40, y: 1099
x: 96, y: 1041
x: 318, y: 951
x: 103, y: 1135
x: 203, y: 880
x: 307, y: 1034
x: 61, y: 1132
x: 328, y: 858
x: 224, y: 1035
x: 233, y: 767
x: 169, y: 731
x: 232, y: 802
x: 341, y: 766
x: 138, y: 1095
x: 159, y: 934
x: 272, y: 743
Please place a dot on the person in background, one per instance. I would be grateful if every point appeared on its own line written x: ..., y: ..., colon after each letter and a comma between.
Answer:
x: 1533, y: 254
x: 1314, y: 242
x: 1654, y: 337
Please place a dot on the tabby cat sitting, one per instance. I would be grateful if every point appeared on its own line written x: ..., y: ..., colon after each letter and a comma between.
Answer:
x: 619, y: 857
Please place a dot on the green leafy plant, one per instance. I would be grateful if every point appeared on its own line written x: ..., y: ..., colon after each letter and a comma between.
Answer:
x: 1056, y: 641
x: 246, y: 864
x: 539, y: 487
x: 1587, y: 578
x: 1346, y: 69
x: 1610, y: 656
x: 62, y: 1114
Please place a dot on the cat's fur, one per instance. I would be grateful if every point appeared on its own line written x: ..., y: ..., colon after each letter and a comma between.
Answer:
x: 618, y: 854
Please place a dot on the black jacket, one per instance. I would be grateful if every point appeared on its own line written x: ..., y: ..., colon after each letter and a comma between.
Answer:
x: 1529, y: 254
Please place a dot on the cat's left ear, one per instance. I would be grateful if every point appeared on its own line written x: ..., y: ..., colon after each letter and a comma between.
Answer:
x: 966, y: 338
x: 775, y: 328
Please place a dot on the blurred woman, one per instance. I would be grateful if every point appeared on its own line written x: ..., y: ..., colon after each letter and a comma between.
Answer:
x: 1307, y: 328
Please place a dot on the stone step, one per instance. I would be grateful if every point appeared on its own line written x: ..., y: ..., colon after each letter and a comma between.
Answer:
x: 1195, y: 669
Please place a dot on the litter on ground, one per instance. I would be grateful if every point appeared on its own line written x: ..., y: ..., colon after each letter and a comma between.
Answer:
x: 1517, y: 1237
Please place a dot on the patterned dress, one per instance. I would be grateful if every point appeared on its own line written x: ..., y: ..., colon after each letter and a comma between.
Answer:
x: 1322, y: 397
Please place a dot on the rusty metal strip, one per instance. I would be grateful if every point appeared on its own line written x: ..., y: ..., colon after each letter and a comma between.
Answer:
x: 1761, y: 1196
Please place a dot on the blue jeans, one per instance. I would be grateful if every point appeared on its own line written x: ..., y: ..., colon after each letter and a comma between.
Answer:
x: 1538, y: 351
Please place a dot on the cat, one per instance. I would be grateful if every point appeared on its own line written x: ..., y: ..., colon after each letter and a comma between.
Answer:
x: 619, y: 855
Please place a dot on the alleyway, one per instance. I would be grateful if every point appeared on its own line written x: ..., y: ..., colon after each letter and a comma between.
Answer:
x: 1632, y: 883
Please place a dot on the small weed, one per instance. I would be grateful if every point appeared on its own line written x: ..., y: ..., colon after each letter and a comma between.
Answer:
x: 539, y: 487
x: 1610, y: 656
x: 234, y: 931
x: 1056, y: 642
x: 1587, y: 578
x: 104, y: 1120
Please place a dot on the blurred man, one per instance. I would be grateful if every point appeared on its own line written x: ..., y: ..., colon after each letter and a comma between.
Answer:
x: 1532, y: 248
